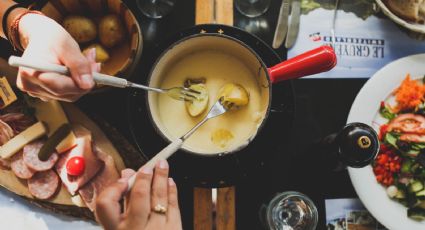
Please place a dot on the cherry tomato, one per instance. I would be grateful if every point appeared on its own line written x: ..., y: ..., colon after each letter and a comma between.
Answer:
x: 75, y: 166
x: 383, y: 131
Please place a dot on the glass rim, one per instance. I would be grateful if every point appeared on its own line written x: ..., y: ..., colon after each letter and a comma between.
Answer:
x: 252, y: 15
x: 140, y: 3
x: 289, y: 194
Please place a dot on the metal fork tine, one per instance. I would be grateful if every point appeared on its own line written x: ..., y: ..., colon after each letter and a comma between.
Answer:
x: 190, y: 90
x: 183, y: 94
x: 183, y: 98
x: 188, y: 94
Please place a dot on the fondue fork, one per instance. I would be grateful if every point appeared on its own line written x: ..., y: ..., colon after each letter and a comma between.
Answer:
x: 178, y: 93
x: 216, y: 110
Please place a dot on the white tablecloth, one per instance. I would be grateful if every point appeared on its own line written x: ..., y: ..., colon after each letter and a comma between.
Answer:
x: 18, y: 214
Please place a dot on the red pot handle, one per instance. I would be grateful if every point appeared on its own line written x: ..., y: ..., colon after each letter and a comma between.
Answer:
x: 318, y: 60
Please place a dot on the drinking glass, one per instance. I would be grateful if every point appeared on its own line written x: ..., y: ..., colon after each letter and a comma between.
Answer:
x: 291, y: 211
x: 156, y: 8
x: 252, y: 8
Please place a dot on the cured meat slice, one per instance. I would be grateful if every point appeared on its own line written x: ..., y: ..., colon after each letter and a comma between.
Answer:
x: 106, y: 176
x: 413, y: 138
x: 6, y: 133
x: 4, y: 164
x: 93, y: 164
x: 17, y: 121
x: 43, y: 185
x: 11, y: 117
x: 31, y: 157
x: 20, y: 168
x: 408, y: 123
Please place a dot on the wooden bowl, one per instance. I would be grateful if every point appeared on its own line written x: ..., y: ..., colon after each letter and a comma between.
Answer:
x: 123, y: 57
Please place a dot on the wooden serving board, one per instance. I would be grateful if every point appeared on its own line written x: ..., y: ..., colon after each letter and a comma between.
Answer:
x: 61, y: 203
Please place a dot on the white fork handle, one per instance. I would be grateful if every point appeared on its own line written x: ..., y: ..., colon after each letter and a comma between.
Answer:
x: 99, y: 78
x: 163, y: 155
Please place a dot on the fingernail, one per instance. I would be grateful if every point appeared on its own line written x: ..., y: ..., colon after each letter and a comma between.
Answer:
x: 122, y: 173
x: 87, y: 80
x: 146, y: 170
x: 163, y: 164
x: 123, y: 180
x: 93, y: 54
x: 171, y: 182
x: 98, y: 67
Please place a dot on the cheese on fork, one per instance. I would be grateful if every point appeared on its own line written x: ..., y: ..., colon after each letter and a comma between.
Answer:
x: 19, y: 141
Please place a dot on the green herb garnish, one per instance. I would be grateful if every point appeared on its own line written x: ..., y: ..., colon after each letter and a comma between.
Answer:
x: 386, y: 112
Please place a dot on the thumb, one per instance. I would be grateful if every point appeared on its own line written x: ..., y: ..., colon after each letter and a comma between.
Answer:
x: 91, y: 56
x: 80, y: 67
x: 108, y: 208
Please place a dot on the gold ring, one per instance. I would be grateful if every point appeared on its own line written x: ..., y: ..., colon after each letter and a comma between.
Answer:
x: 160, y: 209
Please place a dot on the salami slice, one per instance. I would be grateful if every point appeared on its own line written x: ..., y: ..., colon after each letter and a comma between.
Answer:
x: 43, y: 185
x: 20, y: 168
x: 31, y: 157
x: 6, y: 132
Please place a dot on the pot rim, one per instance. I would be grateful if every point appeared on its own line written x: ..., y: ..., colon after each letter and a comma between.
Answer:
x: 262, y: 64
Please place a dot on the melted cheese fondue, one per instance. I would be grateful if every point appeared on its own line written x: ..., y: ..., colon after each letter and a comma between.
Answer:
x: 218, y: 68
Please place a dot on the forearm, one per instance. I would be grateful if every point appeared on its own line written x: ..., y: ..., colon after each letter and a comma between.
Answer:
x: 4, y: 5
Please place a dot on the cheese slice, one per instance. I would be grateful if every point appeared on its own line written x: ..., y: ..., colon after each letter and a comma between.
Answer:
x: 19, y: 141
x: 7, y: 95
x: 67, y: 143
x: 78, y: 201
x: 52, y: 114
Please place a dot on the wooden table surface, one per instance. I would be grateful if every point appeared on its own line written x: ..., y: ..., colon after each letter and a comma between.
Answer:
x: 222, y: 216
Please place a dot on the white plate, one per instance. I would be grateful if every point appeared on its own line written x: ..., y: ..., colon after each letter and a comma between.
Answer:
x: 420, y: 28
x: 365, y: 109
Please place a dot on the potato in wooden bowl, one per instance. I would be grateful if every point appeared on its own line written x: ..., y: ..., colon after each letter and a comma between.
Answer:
x: 109, y: 26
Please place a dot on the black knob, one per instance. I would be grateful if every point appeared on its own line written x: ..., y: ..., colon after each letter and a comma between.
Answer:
x: 358, y: 145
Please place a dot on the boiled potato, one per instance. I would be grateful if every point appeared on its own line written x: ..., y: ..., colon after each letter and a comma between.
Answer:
x: 101, y: 54
x: 221, y: 137
x: 111, y: 30
x: 233, y: 96
x: 82, y: 29
x: 198, y: 106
